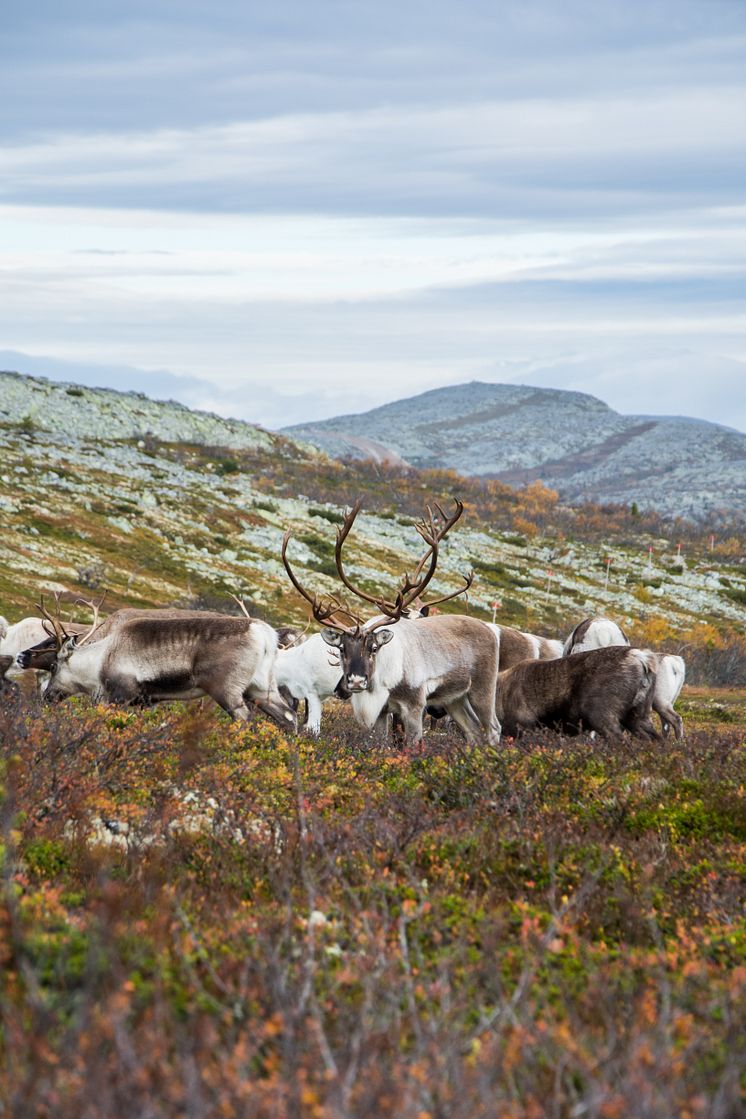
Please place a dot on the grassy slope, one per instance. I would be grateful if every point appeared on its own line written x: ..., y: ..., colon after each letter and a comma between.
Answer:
x: 166, y: 523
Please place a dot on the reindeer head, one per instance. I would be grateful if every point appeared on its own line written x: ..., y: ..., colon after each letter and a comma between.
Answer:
x: 55, y: 653
x: 358, y: 642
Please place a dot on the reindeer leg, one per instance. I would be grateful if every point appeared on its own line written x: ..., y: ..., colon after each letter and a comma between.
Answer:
x: 482, y: 708
x: 669, y: 718
x: 313, y: 718
x: 463, y: 714
x: 122, y: 690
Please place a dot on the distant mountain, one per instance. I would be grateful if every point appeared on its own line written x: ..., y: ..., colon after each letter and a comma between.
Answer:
x: 570, y: 440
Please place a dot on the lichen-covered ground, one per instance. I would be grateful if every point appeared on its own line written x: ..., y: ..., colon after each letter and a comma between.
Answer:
x: 204, y: 919
x: 153, y: 523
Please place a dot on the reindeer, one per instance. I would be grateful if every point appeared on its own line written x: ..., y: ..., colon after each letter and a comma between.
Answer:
x: 30, y: 632
x: 603, y: 690
x: 598, y: 633
x: 170, y: 655
x: 311, y: 672
x: 394, y: 663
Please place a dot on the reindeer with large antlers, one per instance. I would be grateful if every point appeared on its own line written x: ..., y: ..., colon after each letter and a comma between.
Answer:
x: 394, y: 663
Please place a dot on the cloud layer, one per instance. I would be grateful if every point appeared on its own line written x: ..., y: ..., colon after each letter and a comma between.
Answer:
x: 324, y: 206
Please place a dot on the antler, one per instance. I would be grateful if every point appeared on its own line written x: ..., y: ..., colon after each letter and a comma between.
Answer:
x: 95, y: 607
x: 468, y: 580
x: 60, y: 634
x: 411, y: 586
x: 325, y: 612
x: 342, y: 534
x: 242, y: 604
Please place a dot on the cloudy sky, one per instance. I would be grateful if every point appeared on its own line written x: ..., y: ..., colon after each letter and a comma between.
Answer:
x: 296, y: 209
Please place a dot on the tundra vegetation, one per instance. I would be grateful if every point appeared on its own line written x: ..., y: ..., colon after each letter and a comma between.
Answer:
x: 209, y: 918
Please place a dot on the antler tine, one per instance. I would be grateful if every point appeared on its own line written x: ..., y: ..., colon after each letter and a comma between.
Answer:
x: 323, y: 615
x: 59, y: 632
x: 342, y: 533
x: 95, y: 607
x: 468, y: 580
x: 58, y: 608
x: 242, y: 604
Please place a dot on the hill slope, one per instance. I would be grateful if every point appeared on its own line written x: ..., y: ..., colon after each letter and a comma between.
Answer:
x: 78, y: 410
x: 571, y: 441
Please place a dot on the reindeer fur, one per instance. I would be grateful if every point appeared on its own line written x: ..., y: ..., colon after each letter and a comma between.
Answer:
x: 156, y: 657
x: 450, y: 660
x: 604, y: 690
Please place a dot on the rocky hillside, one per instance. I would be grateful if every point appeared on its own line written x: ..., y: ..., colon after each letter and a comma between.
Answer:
x: 37, y: 404
x: 569, y: 440
x: 105, y: 491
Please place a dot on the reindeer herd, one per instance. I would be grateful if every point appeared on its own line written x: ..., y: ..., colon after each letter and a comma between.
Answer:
x: 394, y: 668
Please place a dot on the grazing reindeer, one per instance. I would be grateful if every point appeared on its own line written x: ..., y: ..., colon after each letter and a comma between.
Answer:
x: 19, y: 636
x: 310, y: 671
x: 394, y: 663
x: 33, y: 632
x: 603, y: 690
x: 598, y: 633
x: 156, y: 657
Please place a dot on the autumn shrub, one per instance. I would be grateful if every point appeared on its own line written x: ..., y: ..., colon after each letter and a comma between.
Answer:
x: 206, y: 919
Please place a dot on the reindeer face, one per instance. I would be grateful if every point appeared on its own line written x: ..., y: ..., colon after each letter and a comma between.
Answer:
x: 357, y: 655
x: 41, y: 656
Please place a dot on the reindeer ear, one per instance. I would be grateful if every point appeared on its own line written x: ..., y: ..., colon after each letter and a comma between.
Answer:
x: 332, y: 637
x: 68, y: 646
x: 383, y: 636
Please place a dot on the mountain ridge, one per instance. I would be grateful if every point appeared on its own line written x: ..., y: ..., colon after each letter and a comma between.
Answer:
x: 570, y: 440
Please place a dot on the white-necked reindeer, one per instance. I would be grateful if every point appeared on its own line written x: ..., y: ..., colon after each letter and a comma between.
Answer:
x: 397, y: 664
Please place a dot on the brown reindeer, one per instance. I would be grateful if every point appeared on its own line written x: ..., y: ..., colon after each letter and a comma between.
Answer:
x: 604, y: 690
x: 396, y: 664
x: 173, y: 655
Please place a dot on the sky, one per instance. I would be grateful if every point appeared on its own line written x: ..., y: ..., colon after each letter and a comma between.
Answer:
x: 289, y: 211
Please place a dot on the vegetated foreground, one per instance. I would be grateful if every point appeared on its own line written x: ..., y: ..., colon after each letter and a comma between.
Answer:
x: 207, y: 919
